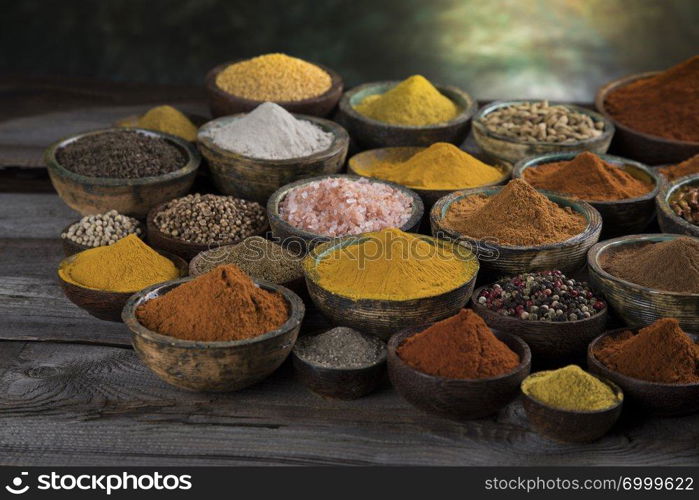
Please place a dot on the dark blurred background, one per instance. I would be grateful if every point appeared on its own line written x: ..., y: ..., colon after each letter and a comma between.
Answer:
x: 558, y: 49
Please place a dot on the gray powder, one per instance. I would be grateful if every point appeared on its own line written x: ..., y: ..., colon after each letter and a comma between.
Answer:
x: 340, y: 347
x: 272, y: 133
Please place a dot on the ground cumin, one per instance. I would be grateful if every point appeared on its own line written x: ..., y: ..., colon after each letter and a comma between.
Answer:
x: 661, y: 352
x: 687, y: 167
x: 587, y: 177
x: 223, y: 304
x: 459, y: 347
x: 517, y: 215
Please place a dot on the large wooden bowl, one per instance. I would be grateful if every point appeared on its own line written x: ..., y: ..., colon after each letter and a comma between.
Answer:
x: 212, y: 366
x: 668, y: 221
x: 70, y: 247
x: 134, y: 197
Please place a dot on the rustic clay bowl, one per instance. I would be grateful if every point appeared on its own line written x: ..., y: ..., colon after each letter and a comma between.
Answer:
x: 221, y: 103
x: 652, y: 397
x: 646, y: 148
x: 513, y: 150
x: 572, y: 426
x: 636, y: 304
x: 103, y: 304
x: 619, y: 217
x: 370, y: 133
x: 70, y: 247
x: 212, y: 366
x: 134, y: 197
x: 256, y: 179
x: 301, y: 240
x: 667, y: 219
x: 456, y: 399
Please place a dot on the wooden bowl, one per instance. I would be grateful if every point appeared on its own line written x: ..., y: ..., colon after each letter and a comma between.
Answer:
x: 513, y: 150
x: 552, y: 343
x: 635, y: 304
x: 619, y: 217
x: 383, y: 317
x: 218, y: 366
x: 651, y: 397
x: 301, y: 240
x: 134, y: 197
x: 456, y: 399
x: 646, y: 148
x: 256, y: 179
x: 367, y: 160
x: 221, y: 103
x: 572, y: 426
x: 668, y: 221
x: 103, y: 304
x: 71, y: 248
x: 567, y: 256
x: 370, y: 133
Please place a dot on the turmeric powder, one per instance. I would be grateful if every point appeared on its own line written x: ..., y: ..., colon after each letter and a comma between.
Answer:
x: 169, y: 120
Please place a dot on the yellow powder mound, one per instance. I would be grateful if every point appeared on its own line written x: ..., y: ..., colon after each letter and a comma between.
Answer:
x: 169, y: 120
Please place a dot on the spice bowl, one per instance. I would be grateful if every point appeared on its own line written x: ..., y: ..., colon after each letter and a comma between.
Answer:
x: 638, y: 305
x: 370, y: 133
x: 218, y: 366
x: 650, y: 397
x: 456, y: 399
x: 512, y: 150
x: 133, y: 197
x: 70, y: 247
x: 103, y: 304
x: 255, y: 178
x: 668, y: 220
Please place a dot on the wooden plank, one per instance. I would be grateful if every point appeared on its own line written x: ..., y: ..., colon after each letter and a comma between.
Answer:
x: 33, y: 215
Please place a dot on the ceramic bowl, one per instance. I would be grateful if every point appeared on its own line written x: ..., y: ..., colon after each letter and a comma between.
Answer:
x: 667, y: 219
x: 70, y: 247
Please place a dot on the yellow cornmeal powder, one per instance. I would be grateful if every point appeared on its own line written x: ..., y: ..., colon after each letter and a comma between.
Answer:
x: 392, y: 265
x: 169, y: 120
x: 414, y: 101
x: 274, y: 77
x: 129, y: 265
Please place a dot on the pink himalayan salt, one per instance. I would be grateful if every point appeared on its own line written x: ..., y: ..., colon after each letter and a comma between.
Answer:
x: 341, y: 207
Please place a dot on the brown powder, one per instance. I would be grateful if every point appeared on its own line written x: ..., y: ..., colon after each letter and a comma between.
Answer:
x: 687, y: 167
x: 517, y: 215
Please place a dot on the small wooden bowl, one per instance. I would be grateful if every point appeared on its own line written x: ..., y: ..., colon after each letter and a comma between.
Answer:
x: 220, y: 366
x: 256, y: 179
x: 71, y: 248
x: 512, y: 150
x: 302, y: 240
x: 635, y: 304
x: 646, y: 148
x: 103, y: 304
x: 668, y: 220
x: 572, y: 426
x: 567, y: 256
x: 383, y: 317
x: 456, y: 399
x: 552, y: 343
x: 619, y: 217
x: 221, y: 103
x: 367, y: 160
x: 370, y: 133
x: 134, y: 197
x: 651, y: 397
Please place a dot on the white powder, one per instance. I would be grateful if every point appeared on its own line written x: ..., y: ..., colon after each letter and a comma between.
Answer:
x: 272, y: 133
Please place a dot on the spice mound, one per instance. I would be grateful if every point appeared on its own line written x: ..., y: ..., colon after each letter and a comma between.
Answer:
x: 414, y: 101
x: 687, y: 167
x: 460, y: 347
x: 121, y: 154
x: 274, y: 77
x: 393, y: 265
x: 517, y: 215
x: 671, y: 266
x: 102, y: 229
x: 342, y: 348
x: 260, y: 258
x: 660, y: 352
x: 440, y: 166
x: 221, y: 305
x: 209, y: 219
x: 340, y: 206
x: 129, y: 265
x: 664, y: 105
x: 272, y: 133
x: 570, y: 388
x: 685, y: 203
x: 169, y: 120
x: 587, y: 177
x: 542, y: 122
x: 541, y: 296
